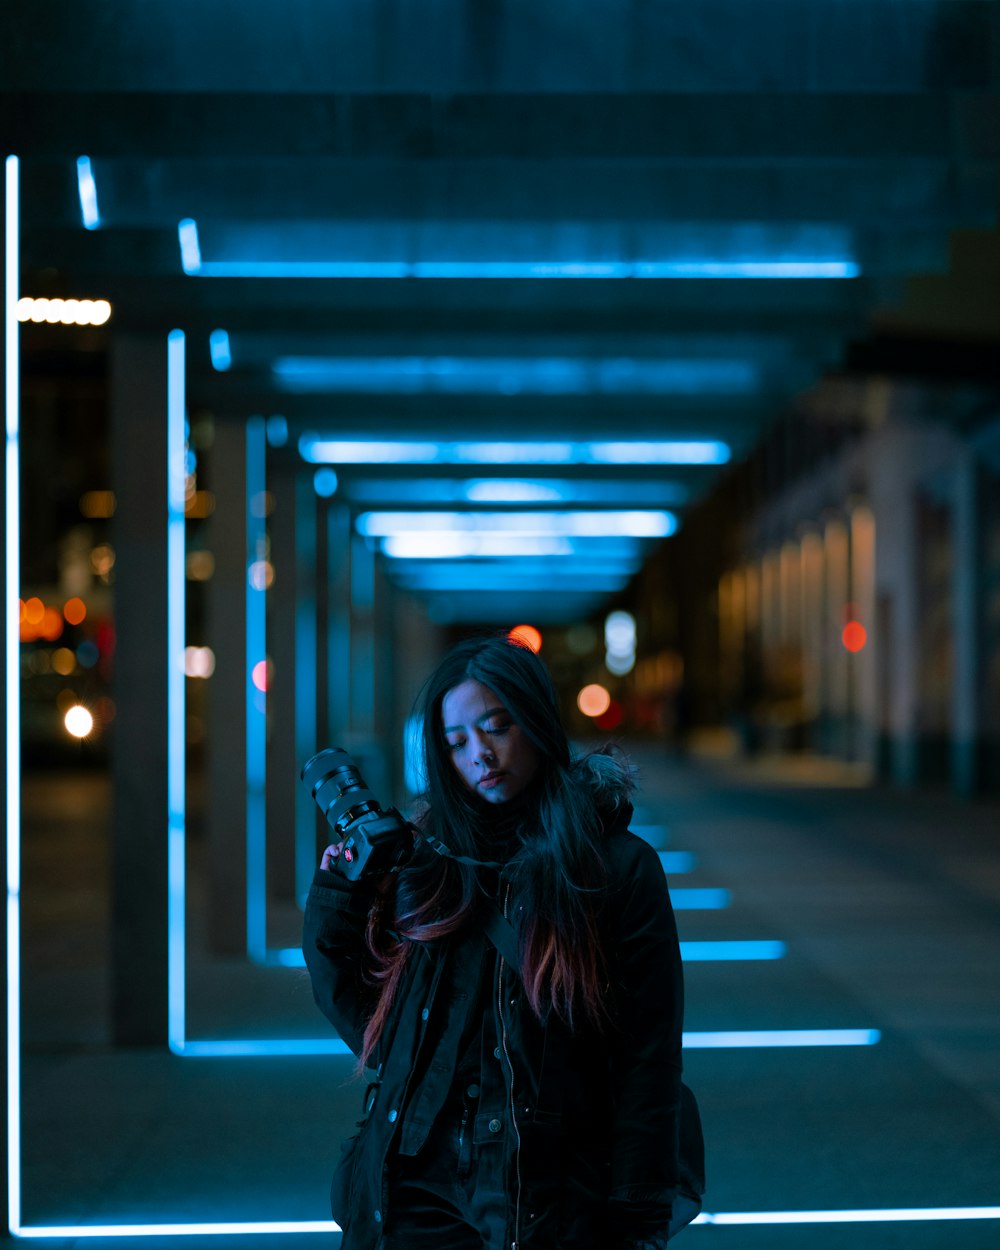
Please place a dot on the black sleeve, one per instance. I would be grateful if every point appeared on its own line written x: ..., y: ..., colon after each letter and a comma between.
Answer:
x: 333, y: 942
x: 646, y: 1035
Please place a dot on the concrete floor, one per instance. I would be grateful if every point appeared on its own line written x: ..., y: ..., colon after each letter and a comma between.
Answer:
x: 889, y: 906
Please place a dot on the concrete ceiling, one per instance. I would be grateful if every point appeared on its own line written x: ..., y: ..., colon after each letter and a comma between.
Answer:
x: 378, y: 190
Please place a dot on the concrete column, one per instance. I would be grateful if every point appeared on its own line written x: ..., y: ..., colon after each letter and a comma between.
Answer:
x: 864, y: 690
x: 140, y: 747
x: 362, y: 638
x: 966, y: 716
x: 897, y: 652
x: 306, y: 686
x: 282, y: 753
x: 811, y: 576
x: 338, y: 655
x: 226, y: 815
x: 837, y: 666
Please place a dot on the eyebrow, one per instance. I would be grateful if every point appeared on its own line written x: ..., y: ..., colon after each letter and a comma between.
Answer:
x: 494, y: 711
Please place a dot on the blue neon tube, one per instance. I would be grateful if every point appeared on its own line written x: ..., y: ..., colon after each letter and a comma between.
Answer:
x: 12, y: 675
x: 176, y: 727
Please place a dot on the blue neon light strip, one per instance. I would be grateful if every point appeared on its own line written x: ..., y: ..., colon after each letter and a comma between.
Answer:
x: 447, y: 270
x: 521, y: 375
x: 876, y: 1215
x: 87, y: 188
x: 230, y: 1048
x: 764, y: 1039
x: 677, y: 861
x: 315, y: 449
x: 886, y: 1215
x: 561, y: 522
x: 691, y: 952
x: 703, y: 952
x: 694, y: 899
x: 220, y: 350
x: 176, y: 1230
x: 12, y: 674
x: 187, y: 236
x: 767, y: 1038
x: 176, y: 720
x: 256, y: 700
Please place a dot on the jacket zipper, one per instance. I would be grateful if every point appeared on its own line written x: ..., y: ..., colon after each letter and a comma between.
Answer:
x: 513, y: 1116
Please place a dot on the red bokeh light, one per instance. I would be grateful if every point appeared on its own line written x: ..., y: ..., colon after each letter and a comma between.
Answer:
x: 854, y: 636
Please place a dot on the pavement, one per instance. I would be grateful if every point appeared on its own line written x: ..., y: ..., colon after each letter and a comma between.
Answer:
x: 887, y: 906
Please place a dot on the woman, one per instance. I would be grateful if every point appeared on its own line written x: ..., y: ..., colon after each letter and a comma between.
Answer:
x: 527, y: 1090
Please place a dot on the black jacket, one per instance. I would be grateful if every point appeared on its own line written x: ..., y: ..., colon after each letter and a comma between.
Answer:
x: 597, y: 1112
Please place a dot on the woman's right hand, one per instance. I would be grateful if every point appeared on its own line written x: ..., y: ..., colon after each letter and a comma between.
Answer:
x: 330, y: 857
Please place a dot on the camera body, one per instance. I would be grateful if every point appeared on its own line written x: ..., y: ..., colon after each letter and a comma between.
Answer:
x: 376, y: 840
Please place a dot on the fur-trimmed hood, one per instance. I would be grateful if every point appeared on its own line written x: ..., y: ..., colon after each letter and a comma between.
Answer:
x: 610, y: 776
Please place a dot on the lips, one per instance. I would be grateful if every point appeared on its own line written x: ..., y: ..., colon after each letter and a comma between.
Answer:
x: 490, y: 780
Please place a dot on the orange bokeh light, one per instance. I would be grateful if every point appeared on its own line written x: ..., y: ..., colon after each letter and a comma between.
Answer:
x: 854, y: 636
x: 34, y: 611
x: 593, y: 700
x: 75, y: 611
x: 527, y: 634
x: 51, y: 626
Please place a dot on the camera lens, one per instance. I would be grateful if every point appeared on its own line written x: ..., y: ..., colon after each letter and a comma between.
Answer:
x: 338, y: 788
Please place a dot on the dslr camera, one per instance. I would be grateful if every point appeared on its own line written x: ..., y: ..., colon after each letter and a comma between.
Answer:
x: 376, y: 840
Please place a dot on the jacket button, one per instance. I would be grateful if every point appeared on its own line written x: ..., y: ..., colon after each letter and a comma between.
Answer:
x: 393, y: 1116
x: 495, y: 1126
x: 425, y: 1014
x: 377, y: 1216
x: 473, y: 1091
x: 496, y: 1052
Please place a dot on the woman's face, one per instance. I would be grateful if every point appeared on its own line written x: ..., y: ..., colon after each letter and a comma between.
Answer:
x: 490, y: 752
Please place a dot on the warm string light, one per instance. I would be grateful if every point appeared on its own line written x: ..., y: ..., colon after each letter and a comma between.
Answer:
x: 67, y: 312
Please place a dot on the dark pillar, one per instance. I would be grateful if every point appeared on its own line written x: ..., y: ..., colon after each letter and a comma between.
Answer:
x: 140, y: 754
x: 226, y: 815
x: 966, y: 712
x: 282, y: 771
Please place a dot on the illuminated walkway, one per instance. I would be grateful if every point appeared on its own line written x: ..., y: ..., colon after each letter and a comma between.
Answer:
x: 868, y: 911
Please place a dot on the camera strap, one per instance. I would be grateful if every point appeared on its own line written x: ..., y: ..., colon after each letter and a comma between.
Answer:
x: 439, y: 848
x: 501, y: 933
x: 495, y: 924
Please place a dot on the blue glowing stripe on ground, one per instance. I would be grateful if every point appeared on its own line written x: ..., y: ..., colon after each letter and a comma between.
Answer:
x: 87, y: 188
x: 695, y: 952
x: 726, y: 1040
x: 693, y: 899
x: 175, y: 1230
x: 229, y: 1048
x: 888, y: 1215
x: 767, y: 1038
x: 870, y: 1215
x: 677, y: 861
x: 176, y: 717
x: 12, y: 673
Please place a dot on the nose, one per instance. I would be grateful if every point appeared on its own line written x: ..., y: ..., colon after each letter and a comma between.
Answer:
x: 484, y: 752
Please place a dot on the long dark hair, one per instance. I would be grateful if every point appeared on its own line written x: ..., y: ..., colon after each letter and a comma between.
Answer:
x: 556, y: 871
